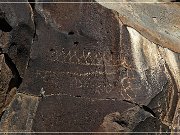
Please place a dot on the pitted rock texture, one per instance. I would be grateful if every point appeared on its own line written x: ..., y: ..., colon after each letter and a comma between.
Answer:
x: 71, y: 67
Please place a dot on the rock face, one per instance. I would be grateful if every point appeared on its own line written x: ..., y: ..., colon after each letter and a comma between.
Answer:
x: 80, y: 67
x: 152, y: 21
x: 17, y: 30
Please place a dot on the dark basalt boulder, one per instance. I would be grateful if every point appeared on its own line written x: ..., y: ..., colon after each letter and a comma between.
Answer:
x: 78, y: 68
x: 17, y: 30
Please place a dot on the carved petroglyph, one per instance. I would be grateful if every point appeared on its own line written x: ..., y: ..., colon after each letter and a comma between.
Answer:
x: 103, y: 64
x: 103, y: 67
x: 82, y: 57
x: 127, y: 90
x: 78, y: 80
x: 126, y: 81
x: 45, y: 72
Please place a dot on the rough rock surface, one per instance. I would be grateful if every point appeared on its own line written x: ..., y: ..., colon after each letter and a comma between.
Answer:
x: 75, y: 67
x: 152, y: 20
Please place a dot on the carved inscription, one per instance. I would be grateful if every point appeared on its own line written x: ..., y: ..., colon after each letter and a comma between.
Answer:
x: 92, y: 71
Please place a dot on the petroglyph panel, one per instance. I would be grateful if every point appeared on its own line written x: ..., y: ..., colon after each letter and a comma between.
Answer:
x: 82, y: 63
x: 74, y: 61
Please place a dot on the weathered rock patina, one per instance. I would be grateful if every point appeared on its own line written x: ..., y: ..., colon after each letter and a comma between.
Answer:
x: 80, y: 61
